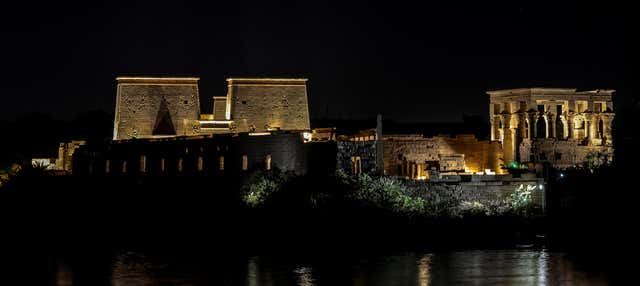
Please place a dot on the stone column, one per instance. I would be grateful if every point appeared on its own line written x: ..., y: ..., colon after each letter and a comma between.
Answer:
x: 492, y: 120
x: 492, y: 125
x: 588, y: 132
x: 508, y: 145
x: 379, y: 146
x: 61, y: 156
x: 546, y: 125
x: 607, y: 123
x: 565, y: 124
x: 552, y: 126
x: 522, y: 120
x: 570, y: 125
x: 532, y: 125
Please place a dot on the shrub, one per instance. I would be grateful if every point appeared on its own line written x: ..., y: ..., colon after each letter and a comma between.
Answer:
x: 385, y: 193
x: 261, y: 185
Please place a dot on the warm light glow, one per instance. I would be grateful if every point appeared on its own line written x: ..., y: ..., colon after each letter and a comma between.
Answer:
x: 216, y: 121
x: 306, y: 136
x: 268, y: 162
x: 245, y: 162
x: 259, y: 133
x: 143, y: 163
x: 42, y: 162
x: 157, y: 80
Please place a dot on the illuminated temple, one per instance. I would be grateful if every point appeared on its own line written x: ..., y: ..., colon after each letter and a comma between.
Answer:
x: 264, y: 123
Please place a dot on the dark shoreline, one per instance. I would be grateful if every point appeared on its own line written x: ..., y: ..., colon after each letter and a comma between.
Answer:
x: 114, y: 213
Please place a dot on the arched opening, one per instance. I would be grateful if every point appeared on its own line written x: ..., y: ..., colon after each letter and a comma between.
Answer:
x: 526, y: 128
x: 600, y: 128
x: 541, y: 127
x: 559, y: 128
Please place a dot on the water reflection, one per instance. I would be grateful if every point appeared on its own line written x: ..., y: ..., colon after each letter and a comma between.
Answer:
x: 133, y: 269
x: 252, y: 272
x: 64, y: 275
x: 305, y: 277
x: 480, y: 267
x: 424, y: 265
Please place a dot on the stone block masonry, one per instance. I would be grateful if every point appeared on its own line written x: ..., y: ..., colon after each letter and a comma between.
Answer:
x: 260, y: 105
x: 356, y: 157
x: 561, y: 126
x: 156, y: 107
x: 414, y: 155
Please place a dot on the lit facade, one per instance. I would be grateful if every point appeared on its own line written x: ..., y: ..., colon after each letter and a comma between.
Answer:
x: 557, y: 125
x: 148, y: 107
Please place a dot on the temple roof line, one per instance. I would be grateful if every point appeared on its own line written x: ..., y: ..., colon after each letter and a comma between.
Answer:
x: 548, y: 90
x: 161, y: 80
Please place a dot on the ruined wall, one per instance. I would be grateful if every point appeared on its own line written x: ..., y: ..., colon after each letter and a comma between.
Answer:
x: 478, y: 155
x: 155, y: 107
x: 564, y: 154
x: 446, y: 151
x: 258, y: 105
x: 365, y: 150
x: 64, y: 161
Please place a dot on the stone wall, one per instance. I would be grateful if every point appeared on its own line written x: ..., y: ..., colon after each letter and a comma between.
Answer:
x: 563, y: 154
x: 66, y: 151
x: 364, y: 150
x: 194, y: 155
x: 258, y: 105
x: 444, y: 152
x: 488, y: 190
x: 478, y: 155
x: 155, y: 107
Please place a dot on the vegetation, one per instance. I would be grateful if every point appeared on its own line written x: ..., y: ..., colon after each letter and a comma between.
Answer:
x: 595, y: 160
x: 380, y: 193
x: 383, y: 193
x: 9, y: 172
x: 261, y: 185
x: 521, y: 199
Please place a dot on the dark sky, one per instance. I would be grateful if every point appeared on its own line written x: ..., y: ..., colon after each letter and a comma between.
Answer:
x: 426, y: 62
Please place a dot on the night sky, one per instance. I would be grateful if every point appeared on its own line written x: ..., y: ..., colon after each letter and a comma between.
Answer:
x: 426, y: 62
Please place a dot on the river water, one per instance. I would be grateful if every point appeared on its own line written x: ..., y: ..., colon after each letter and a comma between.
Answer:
x: 465, y: 267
